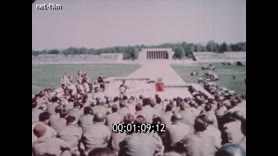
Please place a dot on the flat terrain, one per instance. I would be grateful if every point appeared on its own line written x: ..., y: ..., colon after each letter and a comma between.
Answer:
x: 46, y: 76
x: 225, y: 74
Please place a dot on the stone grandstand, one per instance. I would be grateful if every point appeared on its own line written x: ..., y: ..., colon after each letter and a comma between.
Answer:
x: 220, y: 57
x: 77, y: 59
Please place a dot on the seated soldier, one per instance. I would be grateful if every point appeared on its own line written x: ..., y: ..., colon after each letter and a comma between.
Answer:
x: 197, y: 144
x: 48, y: 145
x: 139, y: 144
x: 230, y: 150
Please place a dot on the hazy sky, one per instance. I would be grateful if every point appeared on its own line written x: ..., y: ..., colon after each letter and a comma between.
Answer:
x: 104, y: 23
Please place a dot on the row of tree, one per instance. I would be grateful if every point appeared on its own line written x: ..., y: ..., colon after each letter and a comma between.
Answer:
x: 182, y: 50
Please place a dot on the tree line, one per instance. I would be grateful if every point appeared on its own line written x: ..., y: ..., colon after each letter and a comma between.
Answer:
x: 182, y: 50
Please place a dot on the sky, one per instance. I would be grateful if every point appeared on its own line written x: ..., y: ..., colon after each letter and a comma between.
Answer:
x: 106, y: 23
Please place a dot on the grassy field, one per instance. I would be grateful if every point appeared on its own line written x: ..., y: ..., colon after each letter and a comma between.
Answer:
x: 225, y: 74
x: 46, y: 76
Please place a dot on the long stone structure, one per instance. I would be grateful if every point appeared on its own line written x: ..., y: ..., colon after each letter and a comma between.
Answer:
x: 156, y: 54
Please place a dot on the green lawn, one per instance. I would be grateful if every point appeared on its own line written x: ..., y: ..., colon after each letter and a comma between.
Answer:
x: 45, y: 76
x: 225, y: 74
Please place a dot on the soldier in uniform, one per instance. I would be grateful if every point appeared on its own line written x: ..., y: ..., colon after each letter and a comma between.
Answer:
x: 86, y: 119
x: 166, y: 117
x: 148, y: 112
x: 80, y: 87
x: 193, y: 108
x: 187, y: 116
x: 230, y: 150
x: 242, y: 142
x: 54, y: 103
x: 56, y: 116
x: 213, y: 131
x: 101, y: 152
x: 210, y: 112
x: 139, y: 144
x: 177, y: 130
x: 159, y: 108
x: 198, y: 144
x: 61, y: 122
x: 232, y: 130
x: 71, y: 134
x: 44, y: 120
x: 123, y: 87
x: 97, y: 135
x: 76, y: 112
x: 123, y: 109
x: 138, y: 109
x: 100, y: 80
x: 100, y: 107
x: 48, y: 145
x: 35, y: 111
x: 221, y: 110
x: 118, y: 137
x: 114, y: 117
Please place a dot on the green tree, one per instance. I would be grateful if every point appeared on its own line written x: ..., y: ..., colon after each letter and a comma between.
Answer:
x: 223, y: 47
x: 179, y: 53
x: 53, y: 51
x: 35, y: 53
x: 211, y: 46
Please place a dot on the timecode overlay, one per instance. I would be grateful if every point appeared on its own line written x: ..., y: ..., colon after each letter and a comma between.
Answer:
x: 139, y: 128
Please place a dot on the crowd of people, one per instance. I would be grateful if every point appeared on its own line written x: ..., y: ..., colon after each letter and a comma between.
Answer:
x: 76, y: 120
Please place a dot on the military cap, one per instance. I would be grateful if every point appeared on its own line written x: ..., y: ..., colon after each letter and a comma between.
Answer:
x: 99, y: 117
x: 176, y: 117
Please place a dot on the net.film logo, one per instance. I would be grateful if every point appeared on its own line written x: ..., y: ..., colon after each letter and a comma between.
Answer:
x: 49, y: 6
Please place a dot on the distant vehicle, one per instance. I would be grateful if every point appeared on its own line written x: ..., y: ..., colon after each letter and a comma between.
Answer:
x: 208, y: 67
x: 212, y: 76
x: 239, y: 63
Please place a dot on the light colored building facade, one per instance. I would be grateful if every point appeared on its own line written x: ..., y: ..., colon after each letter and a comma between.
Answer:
x: 156, y: 54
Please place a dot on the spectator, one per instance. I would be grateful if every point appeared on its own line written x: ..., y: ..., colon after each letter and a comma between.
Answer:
x: 44, y: 120
x: 212, y: 130
x: 100, y: 152
x: 166, y: 117
x: 54, y: 117
x: 61, y: 122
x: 138, y: 109
x: 71, y: 134
x: 198, y: 144
x: 187, y: 116
x: 35, y: 111
x: 114, y: 117
x: 242, y: 142
x: 54, y: 103
x: 97, y: 135
x: 232, y: 130
x: 138, y: 144
x: 176, y: 131
x: 76, y: 112
x: 123, y: 108
x: 230, y: 150
x: 48, y: 145
x: 86, y: 120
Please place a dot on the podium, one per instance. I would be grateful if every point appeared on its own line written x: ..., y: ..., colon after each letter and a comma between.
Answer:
x: 159, y: 87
